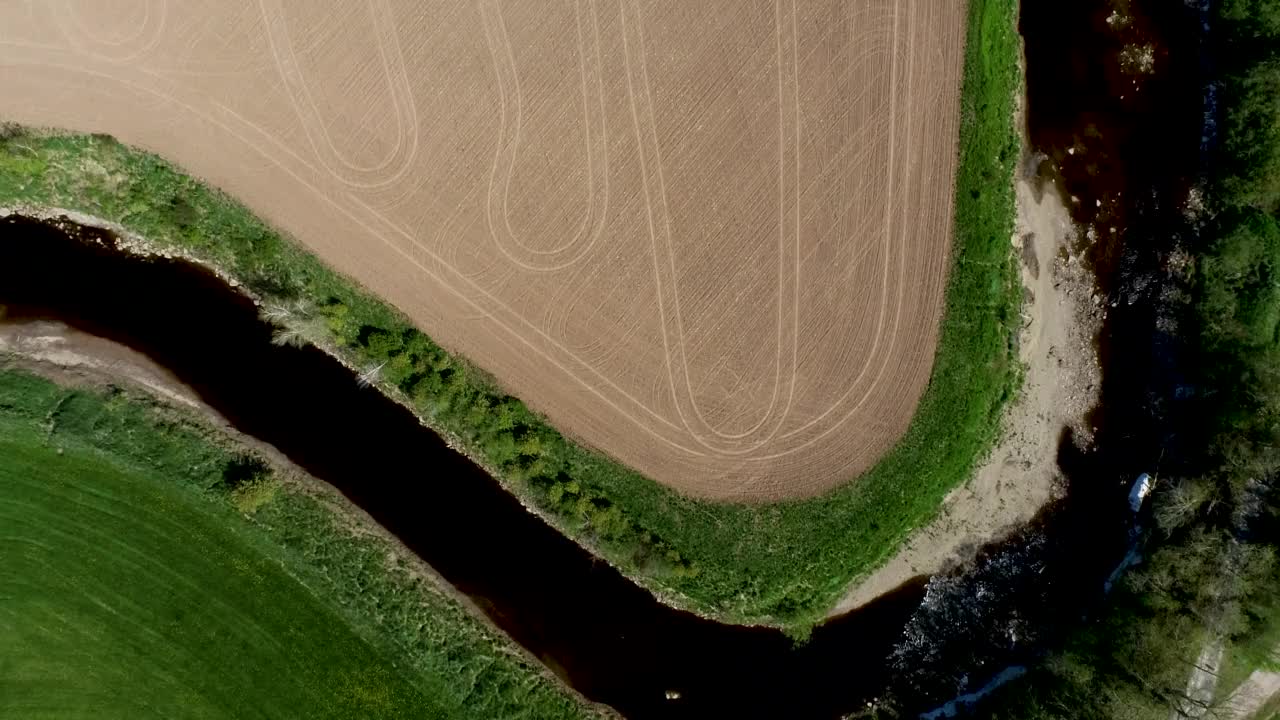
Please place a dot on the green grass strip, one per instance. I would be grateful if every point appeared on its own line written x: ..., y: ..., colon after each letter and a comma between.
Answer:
x: 782, y: 564
x: 133, y: 585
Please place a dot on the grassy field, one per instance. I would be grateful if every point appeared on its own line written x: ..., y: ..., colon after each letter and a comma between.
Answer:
x: 783, y: 564
x: 137, y: 582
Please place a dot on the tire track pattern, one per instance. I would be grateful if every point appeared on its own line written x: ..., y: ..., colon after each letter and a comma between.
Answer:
x: 709, y: 239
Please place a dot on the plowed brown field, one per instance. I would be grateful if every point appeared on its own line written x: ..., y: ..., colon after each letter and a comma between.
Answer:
x: 709, y: 238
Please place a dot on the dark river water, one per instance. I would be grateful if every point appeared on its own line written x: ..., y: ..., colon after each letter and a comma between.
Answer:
x: 611, y: 640
x: 1116, y: 122
x: 1115, y: 105
x: 1114, y: 111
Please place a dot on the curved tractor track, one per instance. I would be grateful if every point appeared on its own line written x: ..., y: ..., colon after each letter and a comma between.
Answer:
x: 709, y: 238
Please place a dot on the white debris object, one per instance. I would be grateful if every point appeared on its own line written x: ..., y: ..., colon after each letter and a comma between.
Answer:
x: 1141, y: 488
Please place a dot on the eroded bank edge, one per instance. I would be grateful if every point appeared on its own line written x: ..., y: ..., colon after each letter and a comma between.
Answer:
x: 1060, y: 320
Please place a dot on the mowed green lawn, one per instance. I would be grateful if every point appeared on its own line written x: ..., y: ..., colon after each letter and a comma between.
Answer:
x: 124, y: 594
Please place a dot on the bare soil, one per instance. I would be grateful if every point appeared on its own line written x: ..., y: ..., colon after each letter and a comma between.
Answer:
x: 710, y: 239
x: 1061, y: 319
x: 65, y: 354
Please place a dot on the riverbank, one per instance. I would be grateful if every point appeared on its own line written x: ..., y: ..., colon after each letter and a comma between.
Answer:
x: 74, y: 359
x: 335, y: 587
x: 1165, y: 128
x: 1061, y: 318
x: 608, y: 638
x: 781, y: 565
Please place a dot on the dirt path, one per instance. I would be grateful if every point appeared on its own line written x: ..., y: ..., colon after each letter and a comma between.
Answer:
x: 1202, y: 683
x: 1260, y: 688
x: 1021, y: 475
x: 1255, y: 692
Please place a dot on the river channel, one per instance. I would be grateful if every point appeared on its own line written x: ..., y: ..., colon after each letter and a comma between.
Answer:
x: 607, y: 637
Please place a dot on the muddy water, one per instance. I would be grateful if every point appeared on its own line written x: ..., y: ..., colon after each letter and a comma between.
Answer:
x: 608, y: 638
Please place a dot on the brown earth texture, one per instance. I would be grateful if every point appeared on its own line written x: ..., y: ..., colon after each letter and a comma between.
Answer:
x: 708, y: 238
